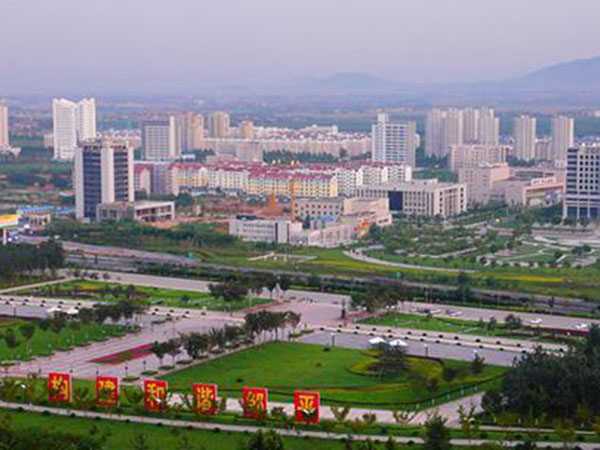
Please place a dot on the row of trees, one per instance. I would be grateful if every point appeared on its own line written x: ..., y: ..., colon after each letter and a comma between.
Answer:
x: 198, y: 345
x: 236, y: 288
x: 544, y: 386
x: 21, y: 259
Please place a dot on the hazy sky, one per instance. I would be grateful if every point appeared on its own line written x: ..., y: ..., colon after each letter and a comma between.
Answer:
x: 134, y: 44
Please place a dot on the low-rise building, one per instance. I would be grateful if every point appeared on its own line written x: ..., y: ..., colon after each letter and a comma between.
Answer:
x: 264, y: 230
x: 140, y: 211
x: 428, y: 198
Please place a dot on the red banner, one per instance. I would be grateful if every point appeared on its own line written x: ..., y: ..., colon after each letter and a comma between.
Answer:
x: 255, y: 402
x: 107, y: 391
x: 155, y: 395
x: 307, y: 406
x: 60, y: 387
x: 205, y: 398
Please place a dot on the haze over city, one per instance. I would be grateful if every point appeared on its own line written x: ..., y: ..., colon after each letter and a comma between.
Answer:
x: 112, y: 46
x: 299, y: 225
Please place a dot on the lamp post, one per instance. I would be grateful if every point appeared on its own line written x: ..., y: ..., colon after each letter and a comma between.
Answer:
x: 426, y: 350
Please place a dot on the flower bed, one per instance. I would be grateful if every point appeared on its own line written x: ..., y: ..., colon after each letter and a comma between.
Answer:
x: 126, y: 355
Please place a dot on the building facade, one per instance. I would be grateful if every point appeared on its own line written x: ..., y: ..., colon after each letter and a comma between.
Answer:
x: 103, y: 173
x: 428, y: 198
x: 472, y: 155
x: 582, y: 195
x: 161, y: 139
x: 393, y: 142
x: 563, y: 138
x: 140, y: 211
x: 219, y: 125
x: 524, y: 134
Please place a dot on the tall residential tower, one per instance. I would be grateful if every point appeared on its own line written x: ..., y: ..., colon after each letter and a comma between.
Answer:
x: 393, y: 142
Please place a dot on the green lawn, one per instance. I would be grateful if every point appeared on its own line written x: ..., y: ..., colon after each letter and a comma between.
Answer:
x: 45, y: 342
x: 446, y: 325
x: 107, y: 291
x: 340, y: 375
x: 159, y: 438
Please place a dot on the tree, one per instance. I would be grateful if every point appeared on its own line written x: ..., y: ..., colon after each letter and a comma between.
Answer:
x: 139, y: 442
x: 267, y: 440
x: 391, y: 361
x: 285, y: 282
x: 159, y: 349
x: 477, y: 364
x: 436, y: 435
x: 469, y: 422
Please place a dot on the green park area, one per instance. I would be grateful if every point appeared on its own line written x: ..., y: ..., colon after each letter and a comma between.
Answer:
x: 342, y: 376
x: 94, y: 290
x: 23, y: 340
x: 125, y: 436
x: 424, y: 244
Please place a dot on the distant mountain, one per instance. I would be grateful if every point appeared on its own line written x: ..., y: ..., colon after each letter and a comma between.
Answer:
x: 347, y: 82
x: 581, y: 74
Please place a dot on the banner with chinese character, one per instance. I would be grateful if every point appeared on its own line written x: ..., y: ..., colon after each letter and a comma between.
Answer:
x: 107, y: 391
x: 307, y: 407
x: 60, y: 387
x: 155, y: 395
x: 205, y: 398
x: 255, y: 402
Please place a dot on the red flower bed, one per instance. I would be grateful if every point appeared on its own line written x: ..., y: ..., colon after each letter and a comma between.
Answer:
x: 125, y: 355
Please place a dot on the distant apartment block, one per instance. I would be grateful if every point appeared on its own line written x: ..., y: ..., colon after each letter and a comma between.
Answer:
x: 524, y: 134
x: 72, y: 123
x: 161, y: 139
x: 563, y: 138
x: 393, y: 142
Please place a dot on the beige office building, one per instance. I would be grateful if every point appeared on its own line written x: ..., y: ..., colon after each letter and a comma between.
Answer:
x: 428, y: 198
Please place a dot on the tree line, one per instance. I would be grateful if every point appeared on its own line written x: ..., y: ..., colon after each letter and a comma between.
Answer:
x: 21, y: 259
x: 543, y: 387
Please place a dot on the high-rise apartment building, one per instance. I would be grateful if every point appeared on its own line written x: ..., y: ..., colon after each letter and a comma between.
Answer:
x: 488, y: 132
x: 161, y: 139
x: 445, y: 128
x: 524, y: 133
x: 393, y: 142
x: 64, y: 114
x: 72, y: 122
x: 470, y: 125
x: 103, y: 173
x: 563, y: 137
x: 86, y: 119
x: 246, y: 129
x: 452, y: 131
x: 4, y: 141
x: 218, y: 124
x: 192, y: 130
x: 433, y: 132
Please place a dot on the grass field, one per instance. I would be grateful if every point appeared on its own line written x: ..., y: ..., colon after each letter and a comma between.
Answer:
x: 119, y: 435
x: 445, y: 325
x: 43, y: 343
x: 107, y: 291
x: 339, y: 374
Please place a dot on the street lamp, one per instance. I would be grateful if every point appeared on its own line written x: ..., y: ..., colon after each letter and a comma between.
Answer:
x: 426, y: 350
